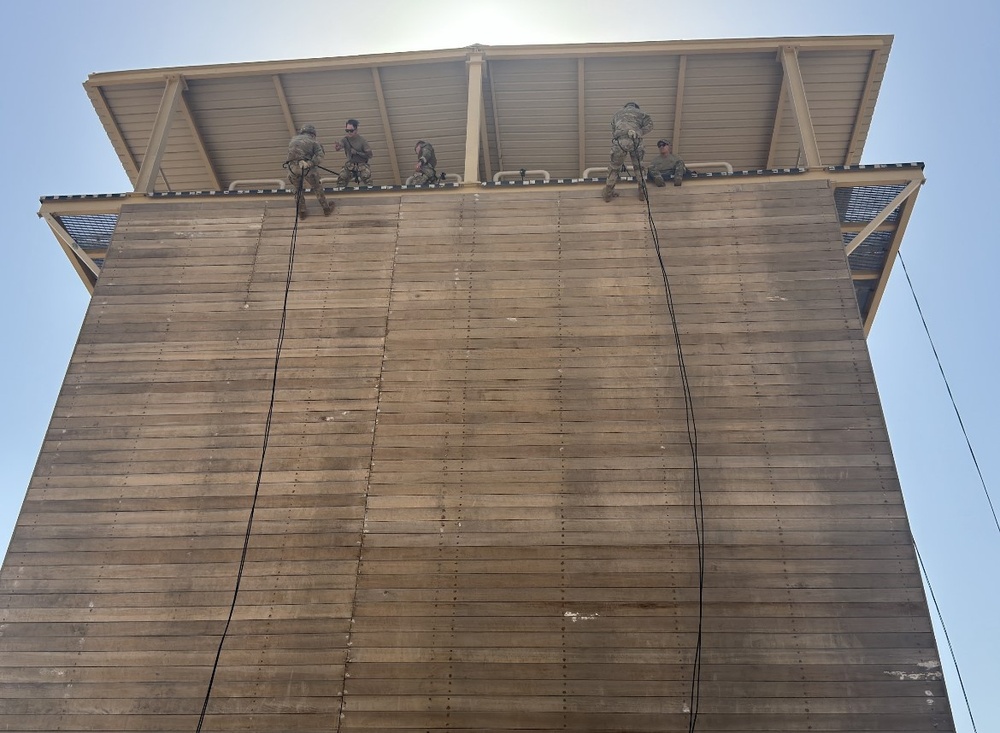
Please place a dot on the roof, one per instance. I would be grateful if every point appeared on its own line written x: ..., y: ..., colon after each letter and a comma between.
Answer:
x: 751, y: 107
x: 743, y: 101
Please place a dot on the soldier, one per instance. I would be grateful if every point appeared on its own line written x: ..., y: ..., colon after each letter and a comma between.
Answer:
x: 425, y: 171
x: 664, y: 163
x: 628, y: 126
x: 304, y: 156
x: 358, y: 153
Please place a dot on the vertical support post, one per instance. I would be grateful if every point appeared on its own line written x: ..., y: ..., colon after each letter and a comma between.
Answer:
x: 474, y: 113
x: 581, y: 109
x: 800, y: 105
x: 679, y: 103
x: 146, y: 183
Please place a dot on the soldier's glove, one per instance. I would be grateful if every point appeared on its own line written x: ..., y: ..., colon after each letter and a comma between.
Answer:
x: 305, y: 165
x: 633, y: 134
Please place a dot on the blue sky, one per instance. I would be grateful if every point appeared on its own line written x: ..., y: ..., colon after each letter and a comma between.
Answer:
x: 938, y: 104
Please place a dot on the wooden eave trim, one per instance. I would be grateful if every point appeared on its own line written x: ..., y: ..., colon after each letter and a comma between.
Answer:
x: 384, y: 114
x: 118, y: 142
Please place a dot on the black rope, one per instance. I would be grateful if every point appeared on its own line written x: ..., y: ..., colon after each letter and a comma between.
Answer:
x: 951, y: 649
x: 260, y: 470
x: 698, y: 503
x: 954, y: 406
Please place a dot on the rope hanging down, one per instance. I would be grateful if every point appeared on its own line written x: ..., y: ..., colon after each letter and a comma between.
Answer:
x: 698, y: 504
x: 263, y: 454
x: 951, y: 397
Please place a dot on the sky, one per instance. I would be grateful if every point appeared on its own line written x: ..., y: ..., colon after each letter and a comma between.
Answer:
x: 938, y: 104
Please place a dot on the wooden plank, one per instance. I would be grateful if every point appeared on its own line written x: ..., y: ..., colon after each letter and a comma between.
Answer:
x: 477, y: 487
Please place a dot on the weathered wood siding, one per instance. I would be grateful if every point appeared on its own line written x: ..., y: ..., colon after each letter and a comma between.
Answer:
x: 475, y: 511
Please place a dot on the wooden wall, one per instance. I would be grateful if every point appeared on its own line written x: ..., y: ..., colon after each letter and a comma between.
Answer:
x: 475, y: 512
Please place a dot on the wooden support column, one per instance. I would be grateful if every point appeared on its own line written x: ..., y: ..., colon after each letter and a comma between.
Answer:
x: 472, y: 119
x: 779, y: 112
x: 85, y: 267
x: 384, y: 114
x: 158, y: 136
x: 581, y: 120
x: 789, y: 56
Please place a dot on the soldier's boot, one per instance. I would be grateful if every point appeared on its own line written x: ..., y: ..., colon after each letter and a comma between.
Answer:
x: 678, y: 179
x: 660, y: 183
x: 608, y: 194
x: 327, y: 208
x: 303, y: 212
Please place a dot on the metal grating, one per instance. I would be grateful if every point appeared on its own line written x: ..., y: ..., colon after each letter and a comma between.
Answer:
x: 92, y: 231
x: 861, y: 204
x: 870, y: 254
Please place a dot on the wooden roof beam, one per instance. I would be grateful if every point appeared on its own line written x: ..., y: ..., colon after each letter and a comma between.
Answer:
x: 286, y: 110
x: 874, y: 224
x: 496, y: 122
x: 897, y: 240
x: 146, y: 183
x: 679, y: 103
x: 779, y: 112
x: 789, y: 56
x: 474, y: 113
x: 384, y: 114
x: 200, y: 143
x: 85, y: 267
x: 853, y: 156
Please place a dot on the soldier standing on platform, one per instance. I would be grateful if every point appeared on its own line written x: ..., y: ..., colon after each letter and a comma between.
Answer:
x: 628, y: 126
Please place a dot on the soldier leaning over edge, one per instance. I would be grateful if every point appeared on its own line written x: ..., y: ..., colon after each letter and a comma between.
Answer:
x: 628, y: 126
x: 304, y: 156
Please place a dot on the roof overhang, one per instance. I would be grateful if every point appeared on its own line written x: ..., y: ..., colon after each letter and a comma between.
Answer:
x: 754, y: 103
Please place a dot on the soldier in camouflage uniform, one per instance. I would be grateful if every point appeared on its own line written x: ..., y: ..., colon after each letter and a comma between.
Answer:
x: 304, y: 156
x: 666, y: 163
x: 358, y: 153
x: 628, y: 126
x: 425, y: 170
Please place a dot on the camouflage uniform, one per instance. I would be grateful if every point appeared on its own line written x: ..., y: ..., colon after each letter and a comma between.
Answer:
x: 428, y: 166
x: 628, y: 126
x: 663, y: 165
x: 358, y: 153
x: 304, y: 155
